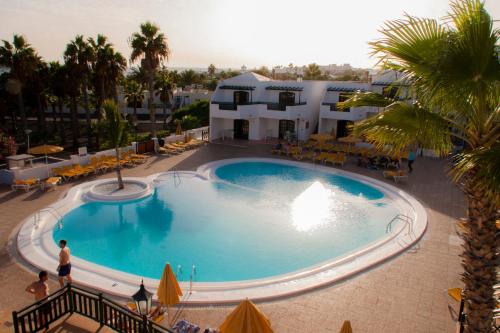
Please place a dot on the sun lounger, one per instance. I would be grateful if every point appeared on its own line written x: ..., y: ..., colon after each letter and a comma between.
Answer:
x: 304, y: 155
x: 330, y: 158
x: 26, y: 184
x: 340, y: 159
x: 320, y: 157
x: 396, y: 175
x: 51, y: 183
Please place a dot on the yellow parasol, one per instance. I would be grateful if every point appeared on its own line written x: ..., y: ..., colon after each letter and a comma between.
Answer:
x: 168, y: 290
x: 346, y: 327
x: 246, y: 318
x: 178, y: 130
x: 45, y: 150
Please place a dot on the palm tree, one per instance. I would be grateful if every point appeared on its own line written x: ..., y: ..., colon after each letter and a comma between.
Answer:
x: 79, y: 55
x: 150, y: 45
x: 134, y: 94
x: 57, y: 87
x: 188, y: 77
x: 164, y: 89
x: 22, y: 60
x: 312, y: 72
x: 454, y: 72
x: 211, y: 70
x: 115, y: 127
x: 107, y: 71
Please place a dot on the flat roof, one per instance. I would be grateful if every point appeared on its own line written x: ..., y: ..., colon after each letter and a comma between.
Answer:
x: 236, y: 87
x: 284, y: 88
x: 346, y: 89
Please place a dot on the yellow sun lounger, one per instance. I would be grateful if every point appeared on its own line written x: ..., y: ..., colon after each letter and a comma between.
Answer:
x: 396, y: 175
x: 26, y: 184
x: 51, y: 183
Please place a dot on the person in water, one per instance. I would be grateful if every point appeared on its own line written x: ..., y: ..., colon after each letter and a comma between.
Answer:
x: 64, y: 268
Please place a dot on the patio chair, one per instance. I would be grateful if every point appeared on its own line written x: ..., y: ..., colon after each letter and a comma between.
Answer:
x: 396, y: 175
x: 51, y: 183
x: 26, y: 184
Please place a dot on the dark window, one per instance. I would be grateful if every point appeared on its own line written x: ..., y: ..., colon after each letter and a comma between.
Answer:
x: 241, y: 97
x: 390, y: 92
x: 343, y: 128
x: 286, y: 98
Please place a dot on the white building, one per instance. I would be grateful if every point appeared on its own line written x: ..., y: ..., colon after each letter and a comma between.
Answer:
x: 251, y: 106
x: 189, y: 95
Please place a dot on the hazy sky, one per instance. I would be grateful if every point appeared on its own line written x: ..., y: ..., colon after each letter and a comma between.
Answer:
x: 228, y: 33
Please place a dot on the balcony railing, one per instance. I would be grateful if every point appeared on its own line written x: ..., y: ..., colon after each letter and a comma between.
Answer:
x: 333, y: 107
x: 281, y: 107
x: 270, y: 106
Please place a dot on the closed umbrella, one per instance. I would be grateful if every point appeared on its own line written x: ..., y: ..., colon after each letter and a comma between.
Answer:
x: 246, y: 318
x: 168, y: 290
x: 346, y: 327
x: 178, y: 130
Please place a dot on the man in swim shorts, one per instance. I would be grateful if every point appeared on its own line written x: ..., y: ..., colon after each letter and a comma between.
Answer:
x: 64, y: 263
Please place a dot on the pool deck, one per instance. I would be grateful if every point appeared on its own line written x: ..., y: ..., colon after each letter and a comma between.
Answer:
x: 405, y: 294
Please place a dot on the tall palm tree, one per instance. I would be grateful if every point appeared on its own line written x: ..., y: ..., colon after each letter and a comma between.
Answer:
x: 211, y: 70
x: 116, y: 131
x: 57, y: 88
x: 134, y: 93
x: 165, y: 90
x: 79, y: 55
x: 21, y: 59
x: 454, y: 72
x: 151, y: 47
x: 107, y: 70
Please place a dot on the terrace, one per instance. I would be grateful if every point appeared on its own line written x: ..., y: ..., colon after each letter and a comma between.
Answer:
x: 405, y: 294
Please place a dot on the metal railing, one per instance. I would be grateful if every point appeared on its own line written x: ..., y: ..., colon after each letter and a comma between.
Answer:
x: 408, y: 223
x: 52, y: 211
x: 95, y: 306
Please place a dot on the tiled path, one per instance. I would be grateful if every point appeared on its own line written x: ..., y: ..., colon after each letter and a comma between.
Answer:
x: 406, y: 294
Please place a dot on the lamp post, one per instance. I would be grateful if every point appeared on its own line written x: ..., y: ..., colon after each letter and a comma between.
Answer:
x: 28, y: 132
x: 142, y: 299
x: 135, y: 124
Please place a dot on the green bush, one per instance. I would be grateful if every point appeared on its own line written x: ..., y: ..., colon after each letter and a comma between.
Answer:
x: 199, y: 110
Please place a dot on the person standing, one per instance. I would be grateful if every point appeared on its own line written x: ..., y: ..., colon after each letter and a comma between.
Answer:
x: 64, y: 268
x: 411, y: 159
x: 40, y: 289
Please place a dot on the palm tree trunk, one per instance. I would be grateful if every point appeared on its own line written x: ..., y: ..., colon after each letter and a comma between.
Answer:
x: 22, y: 112
x: 75, y: 122
x: 54, y: 119
x: 41, y: 117
x: 62, y: 130
x: 152, y: 111
x: 119, y: 170
x: 480, y: 258
x: 164, y: 115
x: 87, y: 113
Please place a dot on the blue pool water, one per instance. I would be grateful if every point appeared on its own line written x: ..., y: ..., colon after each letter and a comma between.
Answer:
x: 260, y: 219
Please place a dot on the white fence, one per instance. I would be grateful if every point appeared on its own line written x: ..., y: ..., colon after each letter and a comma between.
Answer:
x: 45, y: 170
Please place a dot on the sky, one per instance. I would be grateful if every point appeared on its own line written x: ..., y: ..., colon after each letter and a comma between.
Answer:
x: 227, y: 33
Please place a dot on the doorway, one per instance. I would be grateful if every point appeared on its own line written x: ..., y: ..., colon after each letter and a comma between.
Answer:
x: 241, y: 128
x: 286, y: 129
x: 343, y: 128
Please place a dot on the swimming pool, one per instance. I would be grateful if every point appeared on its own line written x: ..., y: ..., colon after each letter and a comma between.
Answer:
x: 237, y: 221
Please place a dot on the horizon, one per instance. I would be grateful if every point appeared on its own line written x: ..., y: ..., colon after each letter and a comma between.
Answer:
x: 229, y: 34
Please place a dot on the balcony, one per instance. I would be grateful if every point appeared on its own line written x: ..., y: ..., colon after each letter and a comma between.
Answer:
x: 333, y: 107
x: 280, y: 106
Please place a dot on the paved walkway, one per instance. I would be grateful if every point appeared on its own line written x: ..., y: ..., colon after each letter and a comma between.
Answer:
x: 406, y: 294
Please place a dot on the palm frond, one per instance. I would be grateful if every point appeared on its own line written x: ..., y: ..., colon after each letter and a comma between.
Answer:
x: 365, y: 98
x: 401, y: 125
x: 483, y: 165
